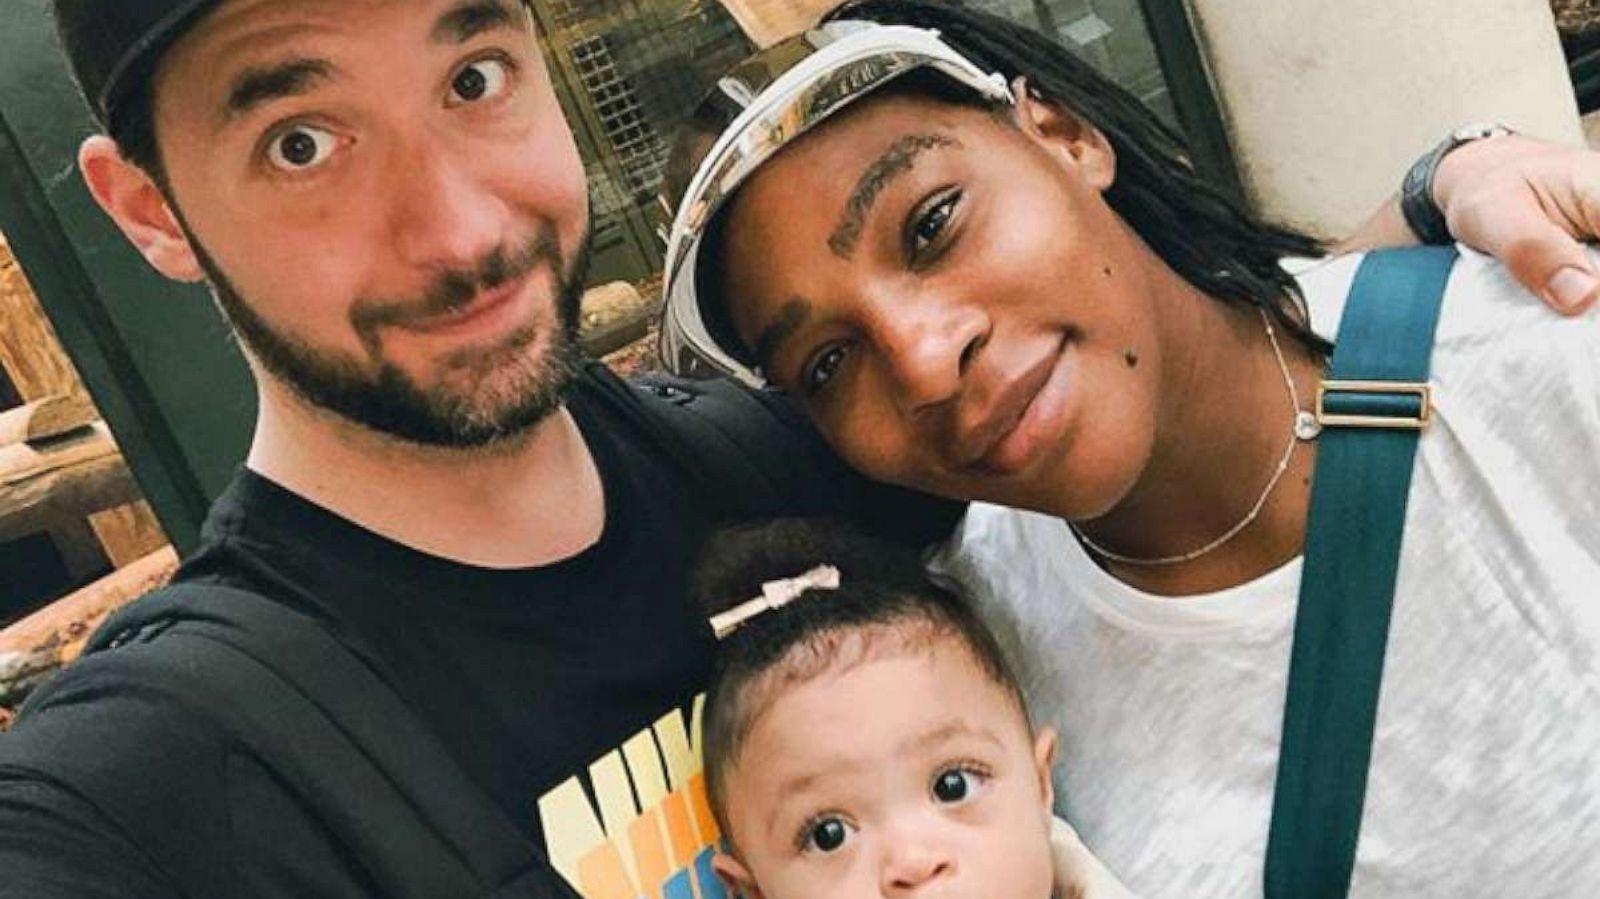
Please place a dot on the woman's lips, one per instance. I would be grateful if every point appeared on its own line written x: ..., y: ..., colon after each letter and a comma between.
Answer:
x: 1030, y: 415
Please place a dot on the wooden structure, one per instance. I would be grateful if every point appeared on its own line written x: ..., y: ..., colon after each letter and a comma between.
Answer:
x: 60, y: 471
x: 766, y: 22
x: 54, y: 636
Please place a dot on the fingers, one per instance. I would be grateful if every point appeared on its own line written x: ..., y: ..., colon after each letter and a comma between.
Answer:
x: 1528, y: 203
x: 1079, y: 875
x: 1553, y: 266
x: 1539, y: 253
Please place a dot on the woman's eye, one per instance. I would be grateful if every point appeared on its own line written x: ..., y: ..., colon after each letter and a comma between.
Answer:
x: 823, y: 368
x: 954, y: 785
x: 479, y: 81
x: 301, y: 147
x: 931, y: 224
x: 825, y: 835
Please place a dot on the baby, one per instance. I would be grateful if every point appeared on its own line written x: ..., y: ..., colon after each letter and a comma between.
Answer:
x: 863, y: 735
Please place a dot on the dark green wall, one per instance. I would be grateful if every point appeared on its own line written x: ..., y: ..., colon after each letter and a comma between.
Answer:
x: 156, y: 355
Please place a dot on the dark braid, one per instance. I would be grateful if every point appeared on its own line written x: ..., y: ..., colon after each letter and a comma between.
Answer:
x: 1204, y: 235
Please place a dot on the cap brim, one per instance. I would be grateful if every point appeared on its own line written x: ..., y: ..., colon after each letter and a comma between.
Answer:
x: 819, y: 86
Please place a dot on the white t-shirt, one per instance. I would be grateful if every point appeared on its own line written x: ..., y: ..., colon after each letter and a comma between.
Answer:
x: 1485, y: 778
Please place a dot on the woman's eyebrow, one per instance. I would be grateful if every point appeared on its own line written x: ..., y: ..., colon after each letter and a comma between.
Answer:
x: 894, y: 162
x: 791, y: 316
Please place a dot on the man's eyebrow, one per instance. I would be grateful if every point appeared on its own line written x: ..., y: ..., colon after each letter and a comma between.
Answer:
x: 467, y: 20
x: 895, y: 161
x: 255, y: 87
x: 791, y: 316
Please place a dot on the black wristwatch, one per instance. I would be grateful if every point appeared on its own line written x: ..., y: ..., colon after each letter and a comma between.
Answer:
x: 1416, y: 191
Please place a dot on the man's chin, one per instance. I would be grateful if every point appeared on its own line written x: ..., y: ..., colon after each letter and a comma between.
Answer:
x: 479, y: 399
x: 496, y: 408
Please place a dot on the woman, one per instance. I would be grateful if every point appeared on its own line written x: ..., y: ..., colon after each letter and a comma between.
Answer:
x: 990, y: 274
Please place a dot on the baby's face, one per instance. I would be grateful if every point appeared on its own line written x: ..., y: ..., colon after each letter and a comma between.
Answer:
x: 910, y: 773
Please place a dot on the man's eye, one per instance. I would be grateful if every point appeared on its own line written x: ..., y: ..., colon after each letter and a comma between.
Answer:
x: 822, y: 369
x: 300, y: 148
x: 825, y: 835
x: 956, y: 785
x: 479, y: 81
x: 930, y: 225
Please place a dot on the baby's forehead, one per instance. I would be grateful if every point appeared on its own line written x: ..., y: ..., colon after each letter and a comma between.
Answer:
x: 832, y: 658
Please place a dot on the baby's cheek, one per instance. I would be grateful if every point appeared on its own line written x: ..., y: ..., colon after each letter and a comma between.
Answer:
x: 802, y: 881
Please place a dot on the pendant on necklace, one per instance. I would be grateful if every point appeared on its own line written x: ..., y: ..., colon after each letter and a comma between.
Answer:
x: 1306, y: 426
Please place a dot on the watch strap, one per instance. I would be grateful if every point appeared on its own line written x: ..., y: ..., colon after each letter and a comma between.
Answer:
x: 1422, y: 213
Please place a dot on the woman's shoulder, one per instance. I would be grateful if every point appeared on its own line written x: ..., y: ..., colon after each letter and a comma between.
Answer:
x: 996, y: 547
x: 1482, y: 302
x: 1512, y: 380
x: 990, y: 532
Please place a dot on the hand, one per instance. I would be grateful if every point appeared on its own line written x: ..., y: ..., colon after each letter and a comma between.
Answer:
x: 1527, y: 203
x: 1078, y: 874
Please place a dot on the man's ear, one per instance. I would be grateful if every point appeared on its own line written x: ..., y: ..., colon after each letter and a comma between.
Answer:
x: 735, y: 876
x: 1044, y: 761
x: 133, y: 200
x: 1066, y: 135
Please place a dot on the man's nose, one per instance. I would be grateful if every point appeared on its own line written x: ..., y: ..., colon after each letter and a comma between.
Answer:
x: 927, y: 343
x: 444, y: 214
x: 914, y: 861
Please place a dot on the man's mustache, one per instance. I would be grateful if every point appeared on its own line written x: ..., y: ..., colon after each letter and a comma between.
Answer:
x: 455, y: 288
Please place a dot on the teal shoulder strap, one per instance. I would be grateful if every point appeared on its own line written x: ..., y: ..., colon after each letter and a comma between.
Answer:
x: 1373, y: 407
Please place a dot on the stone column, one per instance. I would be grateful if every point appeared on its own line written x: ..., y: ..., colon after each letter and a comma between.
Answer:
x: 1327, y: 101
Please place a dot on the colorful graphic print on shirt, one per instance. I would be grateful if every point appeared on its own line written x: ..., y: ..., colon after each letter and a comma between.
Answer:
x: 648, y: 832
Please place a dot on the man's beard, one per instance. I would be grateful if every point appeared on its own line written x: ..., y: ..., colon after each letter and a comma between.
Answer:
x: 483, y: 394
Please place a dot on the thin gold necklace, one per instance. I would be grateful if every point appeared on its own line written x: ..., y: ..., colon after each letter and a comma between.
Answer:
x: 1303, y: 427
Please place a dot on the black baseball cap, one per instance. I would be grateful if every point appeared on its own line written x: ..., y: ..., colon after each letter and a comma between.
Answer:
x: 113, y: 46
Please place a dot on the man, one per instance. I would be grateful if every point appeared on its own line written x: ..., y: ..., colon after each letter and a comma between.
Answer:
x: 391, y: 211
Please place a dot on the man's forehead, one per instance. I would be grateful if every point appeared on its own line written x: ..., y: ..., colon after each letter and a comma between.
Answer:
x: 240, y: 33
x: 258, y: 41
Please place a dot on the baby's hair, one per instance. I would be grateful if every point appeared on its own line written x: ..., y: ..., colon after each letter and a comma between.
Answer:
x: 884, y: 594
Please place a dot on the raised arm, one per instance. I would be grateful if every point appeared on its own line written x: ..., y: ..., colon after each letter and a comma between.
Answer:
x: 1527, y: 202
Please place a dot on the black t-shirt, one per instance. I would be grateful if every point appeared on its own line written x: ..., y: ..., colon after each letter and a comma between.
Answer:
x: 564, y: 692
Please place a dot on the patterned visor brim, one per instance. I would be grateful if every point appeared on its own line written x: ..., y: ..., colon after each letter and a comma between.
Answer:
x: 768, y: 101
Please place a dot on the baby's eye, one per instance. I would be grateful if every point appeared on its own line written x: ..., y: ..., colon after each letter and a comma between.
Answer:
x: 300, y: 147
x: 479, y: 81
x: 955, y: 785
x: 825, y: 834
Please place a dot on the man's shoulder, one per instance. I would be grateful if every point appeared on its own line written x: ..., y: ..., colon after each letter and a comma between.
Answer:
x: 107, y: 726
x: 126, y: 774
x: 119, y: 766
x: 758, y: 449
x: 728, y: 403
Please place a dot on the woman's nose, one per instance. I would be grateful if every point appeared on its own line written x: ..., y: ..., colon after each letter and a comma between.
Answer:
x: 926, y: 344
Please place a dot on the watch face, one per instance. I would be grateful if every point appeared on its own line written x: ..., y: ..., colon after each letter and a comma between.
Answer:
x: 1416, y: 179
x: 1477, y: 131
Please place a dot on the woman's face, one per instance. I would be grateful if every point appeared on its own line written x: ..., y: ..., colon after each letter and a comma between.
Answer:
x: 954, y: 302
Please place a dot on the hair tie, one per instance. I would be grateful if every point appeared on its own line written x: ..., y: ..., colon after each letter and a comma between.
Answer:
x: 775, y: 595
